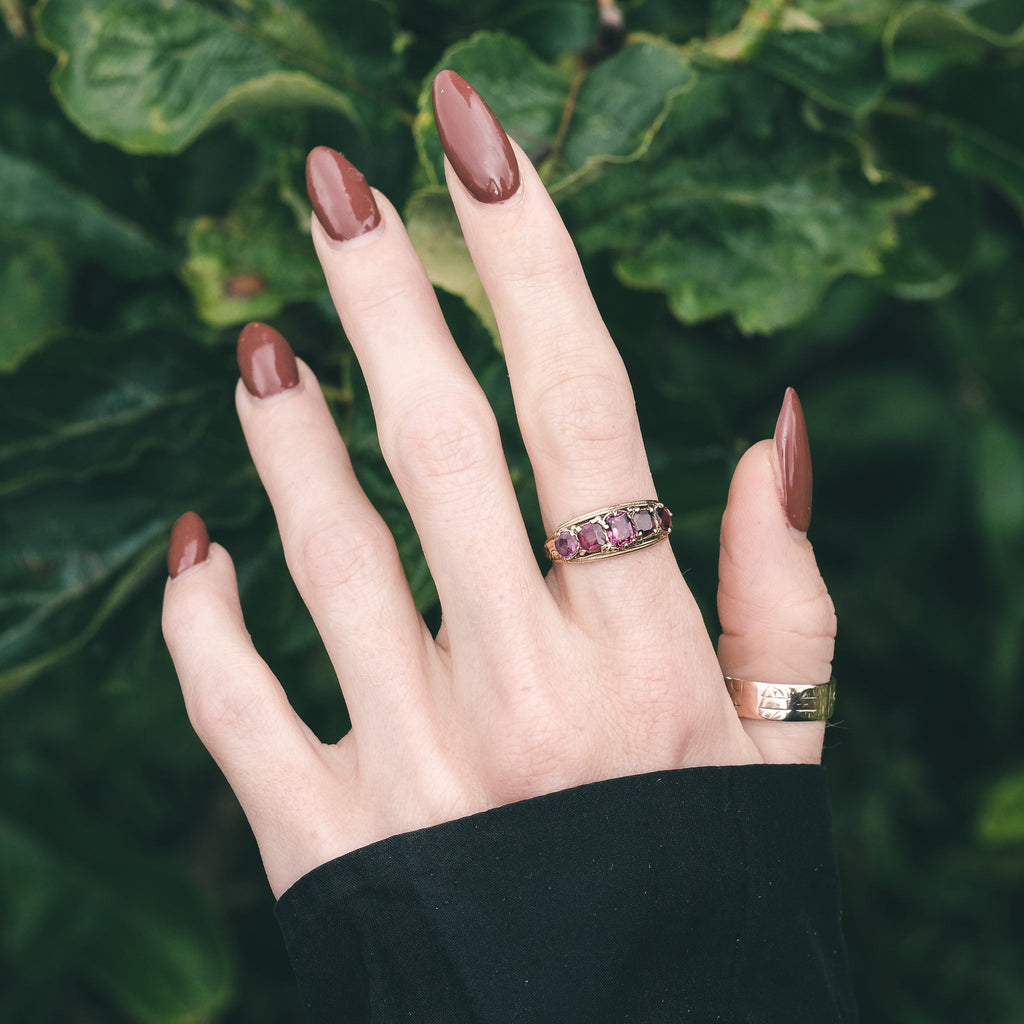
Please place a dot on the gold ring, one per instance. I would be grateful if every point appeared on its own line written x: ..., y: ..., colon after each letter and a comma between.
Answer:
x: 609, y: 531
x: 782, y: 702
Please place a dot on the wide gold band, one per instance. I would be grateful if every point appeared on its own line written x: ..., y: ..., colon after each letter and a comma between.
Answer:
x: 782, y: 702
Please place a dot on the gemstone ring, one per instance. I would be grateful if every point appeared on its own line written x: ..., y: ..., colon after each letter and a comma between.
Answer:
x: 610, y: 531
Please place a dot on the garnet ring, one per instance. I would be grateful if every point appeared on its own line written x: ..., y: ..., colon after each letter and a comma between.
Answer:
x: 610, y: 531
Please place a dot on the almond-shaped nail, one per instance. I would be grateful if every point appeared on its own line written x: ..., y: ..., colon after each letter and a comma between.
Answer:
x: 794, y: 452
x: 190, y: 544
x: 266, y: 361
x: 474, y: 142
x: 341, y: 198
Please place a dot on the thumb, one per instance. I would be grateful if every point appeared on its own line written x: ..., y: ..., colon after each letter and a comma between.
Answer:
x: 778, y: 622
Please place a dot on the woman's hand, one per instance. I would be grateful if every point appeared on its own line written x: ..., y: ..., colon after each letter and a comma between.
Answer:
x: 534, y: 683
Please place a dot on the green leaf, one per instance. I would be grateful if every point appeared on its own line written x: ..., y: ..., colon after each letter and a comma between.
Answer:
x: 839, y: 66
x: 64, y: 419
x: 151, y: 75
x: 743, y: 210
x: 434, y: 230
x: 924, y: 39
x: 621, y: 104
x: 33, y: 298
x: 347, y: 42
x: 93, y: 479
x: 248, y: 264
x: 36, y: 202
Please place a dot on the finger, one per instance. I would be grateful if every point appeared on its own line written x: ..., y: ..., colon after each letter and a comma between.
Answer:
x: 573, y: 398
x: 436, y: 429
x: 235, y: 704
x: 778, y: 622
x: 340, y: 552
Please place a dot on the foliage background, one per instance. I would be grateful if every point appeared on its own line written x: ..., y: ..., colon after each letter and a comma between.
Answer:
x: 826, y: 194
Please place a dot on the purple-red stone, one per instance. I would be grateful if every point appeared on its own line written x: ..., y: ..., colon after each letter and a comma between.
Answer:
x: 592, y: 537
x: 643, y: 521
x: 567, y: 545
x: 664, y: 518
x: 620, y: 530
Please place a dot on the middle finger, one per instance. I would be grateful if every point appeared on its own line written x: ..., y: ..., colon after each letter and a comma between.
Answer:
x: 436, y: 429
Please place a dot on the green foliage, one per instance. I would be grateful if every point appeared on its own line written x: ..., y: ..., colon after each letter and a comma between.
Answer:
x: 825, y: 193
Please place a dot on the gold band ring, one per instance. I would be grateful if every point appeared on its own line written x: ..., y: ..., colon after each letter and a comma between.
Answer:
x: 782, y: 702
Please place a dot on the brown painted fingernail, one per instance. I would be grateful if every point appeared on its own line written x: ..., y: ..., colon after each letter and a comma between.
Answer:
x: 794, y: 453
x: 341, y: 198
x: 190, y: 544
x: 474, y: 142
x: 266, y: 361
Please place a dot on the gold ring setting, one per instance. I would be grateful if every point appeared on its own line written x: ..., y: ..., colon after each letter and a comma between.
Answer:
x: 609, y: 531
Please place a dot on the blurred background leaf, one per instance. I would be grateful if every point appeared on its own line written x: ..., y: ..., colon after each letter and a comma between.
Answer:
x: 824, y: 193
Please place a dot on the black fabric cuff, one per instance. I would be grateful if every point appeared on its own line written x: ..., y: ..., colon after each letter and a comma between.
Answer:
x: 704, y: 894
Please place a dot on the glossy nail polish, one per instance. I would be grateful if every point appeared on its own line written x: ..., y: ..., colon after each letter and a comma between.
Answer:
x: 265, y: 361
x: 474, y: 142
x: 190, y: 544
x: 341, y: 198
x: 794, y: 453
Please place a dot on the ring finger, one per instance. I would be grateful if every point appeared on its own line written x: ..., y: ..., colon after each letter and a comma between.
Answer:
x: 573, y: 398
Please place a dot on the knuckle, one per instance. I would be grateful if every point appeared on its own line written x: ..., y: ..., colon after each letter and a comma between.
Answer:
x: 216, y: 712
x: 334, y: 555
x: 453, y: 444
x: 590, y: 412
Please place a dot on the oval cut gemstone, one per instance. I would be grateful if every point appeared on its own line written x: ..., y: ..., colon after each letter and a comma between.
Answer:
x: 620, y: 530
x: 664, y: 518
x: 592, y: 537
x: 567, y: 545
x: 643, y: 521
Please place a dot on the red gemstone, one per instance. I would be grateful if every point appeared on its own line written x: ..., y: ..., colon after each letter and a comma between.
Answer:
x: 620, y: 530
x: 566, y: 544
x: 592, y: 537
x: 643, y: 521
x: 664, y: 518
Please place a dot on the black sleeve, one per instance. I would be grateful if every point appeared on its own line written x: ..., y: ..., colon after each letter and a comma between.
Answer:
x: 705, y: 894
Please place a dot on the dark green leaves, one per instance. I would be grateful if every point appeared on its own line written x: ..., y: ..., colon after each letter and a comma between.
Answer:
x: 826, y: 193
x: 151, y: 75
x: 37, y: 202
x: 743, y: 210
x: 140, y: 933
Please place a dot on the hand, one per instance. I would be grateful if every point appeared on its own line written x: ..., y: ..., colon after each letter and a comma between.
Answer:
x: 534, y: 683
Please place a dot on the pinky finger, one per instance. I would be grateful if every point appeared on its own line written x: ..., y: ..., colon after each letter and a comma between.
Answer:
x: 236, y: 705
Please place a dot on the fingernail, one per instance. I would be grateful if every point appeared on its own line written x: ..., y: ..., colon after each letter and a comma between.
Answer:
x: 342, y: 200
x: 190, y: 544
x: 266, y: 361
x: 474, y: 142
x: 794, y: 452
